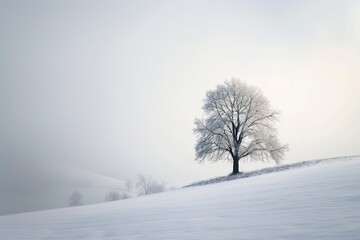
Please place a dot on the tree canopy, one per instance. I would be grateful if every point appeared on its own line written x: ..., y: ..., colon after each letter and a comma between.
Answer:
x: 238, y: 123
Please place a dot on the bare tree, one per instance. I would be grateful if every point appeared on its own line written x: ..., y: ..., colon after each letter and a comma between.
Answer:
x: 75, y: 199
x: 148, y: 186
x: 238, y: 123
x: 124, y: 196
x: 112, y: 196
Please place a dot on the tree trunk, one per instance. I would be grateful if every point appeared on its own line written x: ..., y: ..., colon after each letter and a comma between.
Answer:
x: 235, y: 166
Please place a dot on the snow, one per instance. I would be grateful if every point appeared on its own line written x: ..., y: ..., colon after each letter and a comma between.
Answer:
x: 317, y: 202
x: 266, y: 170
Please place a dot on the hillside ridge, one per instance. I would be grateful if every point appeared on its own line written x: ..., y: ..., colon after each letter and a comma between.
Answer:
x: 268, y: 170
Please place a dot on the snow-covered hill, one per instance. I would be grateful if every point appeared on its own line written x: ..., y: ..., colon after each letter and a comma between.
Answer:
x: 52, y: 188
x: 317, y: 202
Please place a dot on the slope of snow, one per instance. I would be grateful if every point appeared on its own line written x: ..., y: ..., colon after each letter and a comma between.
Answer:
x: 318, y: 202
x: 268, y: 170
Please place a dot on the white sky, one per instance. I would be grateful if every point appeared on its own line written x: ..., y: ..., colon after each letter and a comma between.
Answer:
x: 113, y: 87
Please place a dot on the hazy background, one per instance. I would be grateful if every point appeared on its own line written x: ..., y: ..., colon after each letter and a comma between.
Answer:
x: 96, y: 91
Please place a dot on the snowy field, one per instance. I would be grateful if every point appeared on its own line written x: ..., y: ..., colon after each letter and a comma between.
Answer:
x: 321, y: 201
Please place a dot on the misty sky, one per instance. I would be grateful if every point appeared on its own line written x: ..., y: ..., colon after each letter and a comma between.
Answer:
x: 112, y: 87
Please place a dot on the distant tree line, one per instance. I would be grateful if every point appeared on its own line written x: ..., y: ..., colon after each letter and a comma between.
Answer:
x: 114, y: 196
x: 145, y: 185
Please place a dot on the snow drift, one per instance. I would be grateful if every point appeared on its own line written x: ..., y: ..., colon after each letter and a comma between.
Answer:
x: 317, y: 202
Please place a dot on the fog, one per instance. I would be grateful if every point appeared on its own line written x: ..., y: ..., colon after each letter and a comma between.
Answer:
x: 96, y: 92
